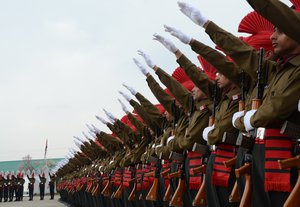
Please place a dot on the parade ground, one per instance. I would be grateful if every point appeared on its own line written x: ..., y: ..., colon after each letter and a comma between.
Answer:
x: 35, y: 203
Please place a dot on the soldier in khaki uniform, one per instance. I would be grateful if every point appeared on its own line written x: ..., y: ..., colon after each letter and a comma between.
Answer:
x: 227, y: 106
x: 259, y: 38
x: 42, y: 185
x: 282, y: 78
x: 52, y: 184
x: 197, y: 121
x: 31, y: 184
x: 1, y: 185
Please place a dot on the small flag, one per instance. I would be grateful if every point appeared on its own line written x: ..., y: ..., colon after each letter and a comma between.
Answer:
x: 46, y: 148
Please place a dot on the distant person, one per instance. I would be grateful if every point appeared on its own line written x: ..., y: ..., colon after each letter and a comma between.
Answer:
x: 1, y: 185
x: 5, y: 188
x: 20, y: 186
x: 11, y: 186
x: 31, y: 185
x: 42, y: 185
x: 51, y: 185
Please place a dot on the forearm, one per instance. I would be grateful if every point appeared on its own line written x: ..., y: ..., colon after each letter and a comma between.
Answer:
x: 151, y: 109
x: 181, y: 94
x: 199, y: 78
x: 217, y: 60
x: 164, y: 99
x: 245, y: 56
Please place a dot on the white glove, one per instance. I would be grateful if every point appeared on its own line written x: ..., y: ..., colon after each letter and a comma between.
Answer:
x: 167, y: 43
x: 125, y: 96
x: 206, y: 131
x: 110, y: 116
x: 123, y: 106
x: 86, y: 136
x: 101, y: 119
x: 132, y: 91
x: 97, y: 131
x: 170, y: 138
x: 140, y: 66
x: 177, y: 33
x: 147, y: 59
x: 236, y: 116
x: 92, y: 134
x: 191, y: 12
x: 90, y: 128
x: 247, y: 119
x: 299, y: 105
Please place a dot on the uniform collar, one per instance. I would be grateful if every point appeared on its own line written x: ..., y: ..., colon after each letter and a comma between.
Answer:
x: 202, y: 103
x: 233, y: 93
x: 293, y: 60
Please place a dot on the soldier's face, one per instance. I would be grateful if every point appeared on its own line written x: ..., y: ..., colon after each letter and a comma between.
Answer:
x: 197, y: 94
x: 282, y: 44
x: 222, y: 81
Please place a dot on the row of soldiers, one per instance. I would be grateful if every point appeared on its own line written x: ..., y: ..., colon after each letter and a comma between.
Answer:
x: 12, y: 185
x: 225, y: 136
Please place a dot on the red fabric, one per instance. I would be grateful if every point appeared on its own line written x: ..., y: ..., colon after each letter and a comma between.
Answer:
x: 126, y: 178
x: 189, y: 85
x: 194, y: 161
x: 116, y: 178
x: 145, y: 183
x: 260, y: 30
x: 221, y: 174
x: 277, y: 147
x: 209, y: 70
x: 126, y: 121
x: 160, y: 108
x: 180, y: 75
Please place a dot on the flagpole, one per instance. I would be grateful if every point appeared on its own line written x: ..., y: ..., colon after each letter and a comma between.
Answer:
x: 45, y: 155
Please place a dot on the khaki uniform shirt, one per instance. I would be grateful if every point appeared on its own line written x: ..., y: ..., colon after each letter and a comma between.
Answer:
x: 143, y: 114
x: 151, y: 109
x: 227, y: 106
x: 167, y: 103
x: 199, y: 119
x: 281, y: 95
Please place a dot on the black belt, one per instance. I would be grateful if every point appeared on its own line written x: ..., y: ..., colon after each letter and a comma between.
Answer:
x: 291, y: 129
x: 201, y: 149
x: 240, y: 140
x: 176, y: 157
x: 245, y: 141
x: 230, y: 138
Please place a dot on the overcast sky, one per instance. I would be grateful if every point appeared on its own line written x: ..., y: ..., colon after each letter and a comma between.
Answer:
x: 62, y: 61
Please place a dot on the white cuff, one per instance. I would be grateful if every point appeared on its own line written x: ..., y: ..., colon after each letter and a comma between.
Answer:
x: 157, y: 146
x: 299, y: 105
x: 170, y: 138
x: 247, y: 119
x: 206, y: 131
x: 236, y: 116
